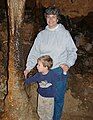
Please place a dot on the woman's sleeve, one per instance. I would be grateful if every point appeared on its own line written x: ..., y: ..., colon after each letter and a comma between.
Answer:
x: 33, y: 54
x: 71, y: 50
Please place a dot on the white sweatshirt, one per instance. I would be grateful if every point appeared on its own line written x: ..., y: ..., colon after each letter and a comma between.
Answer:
x: 57, y: 43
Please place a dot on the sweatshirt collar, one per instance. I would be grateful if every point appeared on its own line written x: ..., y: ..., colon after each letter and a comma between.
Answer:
x: 52, y: 29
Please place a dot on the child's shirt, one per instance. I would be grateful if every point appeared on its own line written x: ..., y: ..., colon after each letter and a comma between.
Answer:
x: 46, y: 83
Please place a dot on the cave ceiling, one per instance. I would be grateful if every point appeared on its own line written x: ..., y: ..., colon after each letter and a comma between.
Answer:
x: 72, y: 8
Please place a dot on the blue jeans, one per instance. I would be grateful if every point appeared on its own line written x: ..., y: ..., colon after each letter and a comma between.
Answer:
x: 60, y: 92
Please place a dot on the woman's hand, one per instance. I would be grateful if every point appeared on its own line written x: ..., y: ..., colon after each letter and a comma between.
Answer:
x: 64, y: 67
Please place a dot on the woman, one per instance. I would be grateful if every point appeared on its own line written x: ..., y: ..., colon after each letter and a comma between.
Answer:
x: 57, y: 42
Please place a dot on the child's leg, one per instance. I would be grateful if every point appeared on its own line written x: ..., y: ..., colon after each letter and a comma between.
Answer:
x: 45, y: 108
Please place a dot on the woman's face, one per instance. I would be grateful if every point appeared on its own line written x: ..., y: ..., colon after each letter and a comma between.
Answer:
x: 51, y: 20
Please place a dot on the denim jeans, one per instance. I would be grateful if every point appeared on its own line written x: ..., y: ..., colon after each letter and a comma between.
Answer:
x: 60, y: 92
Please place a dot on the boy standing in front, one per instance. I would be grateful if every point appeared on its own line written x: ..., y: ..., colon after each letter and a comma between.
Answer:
x: 45, y: 78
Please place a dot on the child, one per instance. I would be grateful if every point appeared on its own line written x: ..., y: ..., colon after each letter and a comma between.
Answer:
x: 46, y: 87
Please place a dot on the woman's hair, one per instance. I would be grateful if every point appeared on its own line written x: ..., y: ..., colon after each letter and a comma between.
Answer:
x: 53, y: 11
x: 46, y: 60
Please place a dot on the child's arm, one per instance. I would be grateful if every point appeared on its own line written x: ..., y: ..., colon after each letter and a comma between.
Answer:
x: 32, y: 79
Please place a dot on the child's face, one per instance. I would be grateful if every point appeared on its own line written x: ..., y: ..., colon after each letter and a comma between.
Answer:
x: 41, y: 68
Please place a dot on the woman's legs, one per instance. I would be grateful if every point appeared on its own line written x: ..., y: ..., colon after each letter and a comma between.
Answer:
x: 59, y: 100
x: 60, y: 92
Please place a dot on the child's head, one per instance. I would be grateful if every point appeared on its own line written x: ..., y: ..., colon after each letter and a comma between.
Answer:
x: 44, y: 62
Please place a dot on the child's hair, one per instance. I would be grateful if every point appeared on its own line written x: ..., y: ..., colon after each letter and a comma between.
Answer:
x: 46, y: 60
